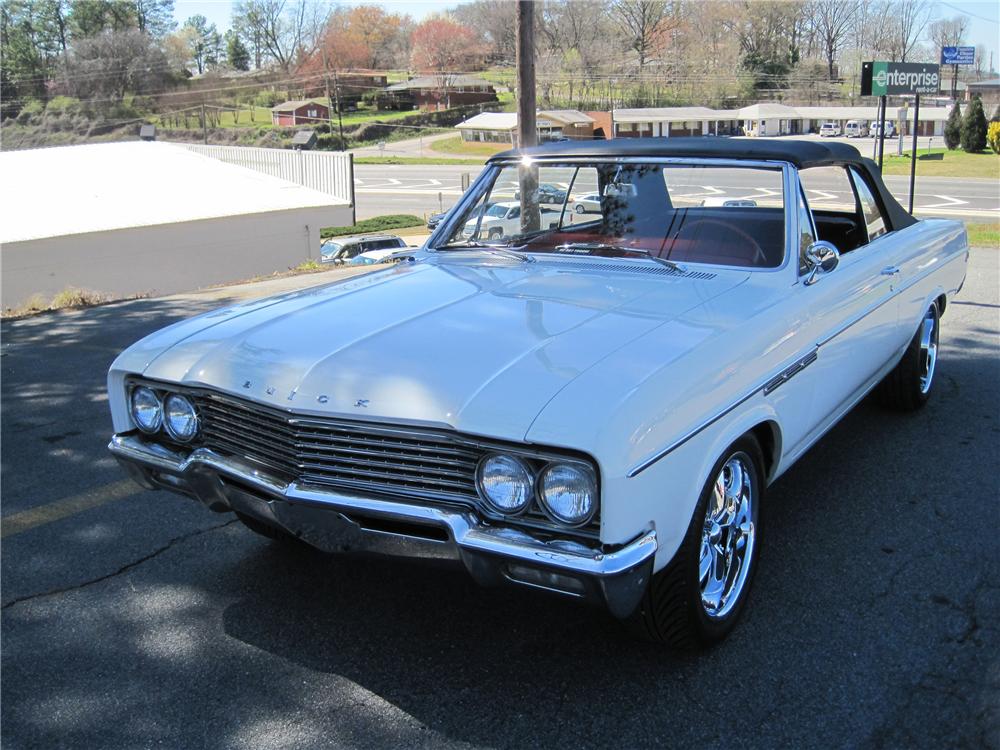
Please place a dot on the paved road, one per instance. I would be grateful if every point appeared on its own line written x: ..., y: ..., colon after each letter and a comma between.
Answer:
x: 136, y: 619
x: 426, y: 189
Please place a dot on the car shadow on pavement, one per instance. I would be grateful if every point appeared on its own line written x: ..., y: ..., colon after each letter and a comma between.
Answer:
x: 850, y: 578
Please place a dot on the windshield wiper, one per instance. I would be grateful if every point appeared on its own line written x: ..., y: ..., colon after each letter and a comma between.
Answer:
x: 505, y: 252
x: 590, y: 247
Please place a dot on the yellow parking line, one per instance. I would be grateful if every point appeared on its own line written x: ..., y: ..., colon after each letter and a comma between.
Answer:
x: 29, y: 519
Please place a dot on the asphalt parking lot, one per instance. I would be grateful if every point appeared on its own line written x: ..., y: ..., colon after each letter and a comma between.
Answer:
x: 136, y: 619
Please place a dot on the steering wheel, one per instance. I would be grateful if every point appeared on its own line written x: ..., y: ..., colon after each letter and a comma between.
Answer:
x: 758, y: 258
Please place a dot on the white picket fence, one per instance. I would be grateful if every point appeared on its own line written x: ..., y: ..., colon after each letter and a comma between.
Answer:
x: 326, y: 171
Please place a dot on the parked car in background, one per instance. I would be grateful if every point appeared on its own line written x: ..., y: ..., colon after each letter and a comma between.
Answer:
x: 587, y: 204
x: 502, y: 220
x: 547, y: 193
x: 890, y: 129
x: 855, y: 129
x: 434, y: 219
x: 344, y: 249
x: 594, y: 407
x: 371, y: 257
x: 829, y: 129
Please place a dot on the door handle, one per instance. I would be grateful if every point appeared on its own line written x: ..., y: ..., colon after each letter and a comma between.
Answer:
x: 890, y: 270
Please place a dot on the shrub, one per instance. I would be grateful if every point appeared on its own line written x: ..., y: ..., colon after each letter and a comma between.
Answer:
x: 993, y: 137
x: 375, y: 224
x: 267, y: 99
x: 63, y: 105
x: 953, y: 128
x: 30, y: 112
x: 974, y: 128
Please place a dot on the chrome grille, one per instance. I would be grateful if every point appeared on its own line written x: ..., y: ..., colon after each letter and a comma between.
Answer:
x: 331, y: 452
x: 421, y: 464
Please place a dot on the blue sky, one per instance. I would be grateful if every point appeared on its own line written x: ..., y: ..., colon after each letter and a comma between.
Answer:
x: 984, y: 14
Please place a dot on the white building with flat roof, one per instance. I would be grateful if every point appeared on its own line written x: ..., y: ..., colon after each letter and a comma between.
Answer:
x: 145, y: 217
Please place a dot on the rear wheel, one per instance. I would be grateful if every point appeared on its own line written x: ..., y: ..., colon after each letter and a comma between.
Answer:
x: 697, y: 599
x: 495, y: 234
x: 908, y: 386
x: 579, y: 208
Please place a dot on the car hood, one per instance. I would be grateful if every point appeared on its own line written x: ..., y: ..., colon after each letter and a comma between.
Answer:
x: 477, y: 345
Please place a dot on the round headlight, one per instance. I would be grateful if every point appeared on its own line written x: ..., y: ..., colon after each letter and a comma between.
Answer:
x: 180, y: 417
x: 505, y: 483
x: 146, y: 409
x: 569, y: 493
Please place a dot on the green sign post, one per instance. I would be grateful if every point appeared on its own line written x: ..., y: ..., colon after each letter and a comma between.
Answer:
x: 881, y: 79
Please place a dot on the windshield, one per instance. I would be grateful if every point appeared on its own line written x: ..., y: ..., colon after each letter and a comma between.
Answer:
x: 697, y: 213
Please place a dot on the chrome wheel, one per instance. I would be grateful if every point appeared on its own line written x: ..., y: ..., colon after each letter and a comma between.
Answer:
x: 928, y: 349
x: 727, y: 538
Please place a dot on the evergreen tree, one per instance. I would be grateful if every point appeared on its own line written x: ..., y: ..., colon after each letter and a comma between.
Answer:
x: 953, y: 128
x: 974, y: 127
x: 236, y: 52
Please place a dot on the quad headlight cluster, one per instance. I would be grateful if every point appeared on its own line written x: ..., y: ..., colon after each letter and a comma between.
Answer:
x: 172, y: 412
x: 565, y: 491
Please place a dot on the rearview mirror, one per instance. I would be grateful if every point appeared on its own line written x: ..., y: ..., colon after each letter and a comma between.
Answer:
x: 821, y: 258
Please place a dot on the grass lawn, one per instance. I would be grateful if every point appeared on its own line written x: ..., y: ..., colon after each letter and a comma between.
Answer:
x: 374, y: 224
x: 984, y: 234
x: 457, y: 146
x: 952, y: 164
x: 425, y: 160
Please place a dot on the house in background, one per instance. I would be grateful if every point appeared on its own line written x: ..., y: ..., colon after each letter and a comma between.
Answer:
x: 501, y: 127
x: 301, y: 112
x: 435, y: 92
x: 988, y: 91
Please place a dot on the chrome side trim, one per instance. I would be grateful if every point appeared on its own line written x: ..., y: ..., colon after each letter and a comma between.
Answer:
x: 794, y: 368
x: 790, y: 373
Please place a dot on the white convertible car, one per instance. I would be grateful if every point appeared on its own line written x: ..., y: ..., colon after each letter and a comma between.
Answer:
x: 594, y: 405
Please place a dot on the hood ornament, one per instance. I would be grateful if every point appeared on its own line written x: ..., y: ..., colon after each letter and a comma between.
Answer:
x: 361, y: 403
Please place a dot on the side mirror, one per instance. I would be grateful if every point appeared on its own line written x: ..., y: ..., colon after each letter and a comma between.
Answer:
x: 822, y: 257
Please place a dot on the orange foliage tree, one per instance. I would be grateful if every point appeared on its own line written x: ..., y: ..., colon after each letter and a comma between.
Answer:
x: 443, y: 48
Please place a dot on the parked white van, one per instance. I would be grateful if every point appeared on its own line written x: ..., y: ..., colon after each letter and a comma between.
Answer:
x: 890, y: 129
x: 829, y: 129
x: 855, y: 129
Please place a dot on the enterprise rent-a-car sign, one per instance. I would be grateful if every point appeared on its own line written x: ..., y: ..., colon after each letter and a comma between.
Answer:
x: 879, y: 78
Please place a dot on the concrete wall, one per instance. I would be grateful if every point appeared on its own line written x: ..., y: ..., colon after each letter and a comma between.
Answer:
x: 165, y: 258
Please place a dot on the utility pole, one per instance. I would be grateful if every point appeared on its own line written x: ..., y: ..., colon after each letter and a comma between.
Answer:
x: 204, y: 124
x: 527, y: 129
x: 329, y: 101
x: 340, y: 116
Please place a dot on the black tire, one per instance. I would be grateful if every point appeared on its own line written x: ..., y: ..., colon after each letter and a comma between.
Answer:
x: 903, y: 388
x: 495, y: 234
x: 671, y: 610
x: 580, y: 209
x: 266, y: 530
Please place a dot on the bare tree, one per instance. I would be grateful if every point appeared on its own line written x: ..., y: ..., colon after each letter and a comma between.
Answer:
x: 644, y: 24
x: 832, y: 22
x: 950, y: 32
x: 287, y: 32
x: 495, y: 23
x: 906, y: 22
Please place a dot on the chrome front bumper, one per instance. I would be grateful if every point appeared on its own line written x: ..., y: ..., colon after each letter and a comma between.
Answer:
x: 339, y: 522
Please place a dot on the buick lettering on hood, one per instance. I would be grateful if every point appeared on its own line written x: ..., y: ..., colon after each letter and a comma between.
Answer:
x: 591, y: 403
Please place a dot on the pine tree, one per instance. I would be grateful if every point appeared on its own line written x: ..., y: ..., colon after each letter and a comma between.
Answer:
x: 236, y: 52
x: 974, y: 127
x: 953, y: 128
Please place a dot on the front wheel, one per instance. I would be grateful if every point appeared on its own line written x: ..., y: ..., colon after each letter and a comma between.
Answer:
x: 697, y: 598
x: 908, y: 386
x: 579, y: 208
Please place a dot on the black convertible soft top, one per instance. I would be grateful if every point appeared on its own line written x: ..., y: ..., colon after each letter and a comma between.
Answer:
x: 803, y: 154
